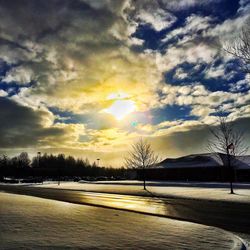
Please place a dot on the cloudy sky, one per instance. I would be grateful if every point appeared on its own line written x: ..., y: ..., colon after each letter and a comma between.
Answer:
x: 89, y: 77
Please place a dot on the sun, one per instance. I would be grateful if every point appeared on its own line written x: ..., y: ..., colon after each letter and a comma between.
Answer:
x: 120, y: 108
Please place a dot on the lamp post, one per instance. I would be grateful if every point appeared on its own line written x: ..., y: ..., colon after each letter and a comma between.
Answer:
x: 38, y: 159
x: 98, y: 160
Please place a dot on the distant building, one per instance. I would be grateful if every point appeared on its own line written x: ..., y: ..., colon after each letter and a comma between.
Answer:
x: 200, y: 167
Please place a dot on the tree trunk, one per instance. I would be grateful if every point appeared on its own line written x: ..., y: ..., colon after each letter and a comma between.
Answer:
x: 231, y: 187
x: 59, y: 176
x: 230, y: 172
x: 144, y: 179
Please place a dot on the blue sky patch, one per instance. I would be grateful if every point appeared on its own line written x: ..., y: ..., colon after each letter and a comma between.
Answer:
x: 172, y: 113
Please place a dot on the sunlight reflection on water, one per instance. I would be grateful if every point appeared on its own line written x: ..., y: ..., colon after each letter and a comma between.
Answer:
x: 139, y: 204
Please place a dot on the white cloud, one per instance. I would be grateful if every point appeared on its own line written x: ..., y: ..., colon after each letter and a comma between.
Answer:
x: 215, y: 72
x: 227, y: 30
x: 240, y: 85
x: 183, y: 4
x: 202, y: 101
x: 3, y: 93
x: 159, y: 19
x: 190, y: 52
x: 201, y: 110
x: 180, y: 74
x: 19, y: 75
x: 193, y: 24
x: 244, y: 7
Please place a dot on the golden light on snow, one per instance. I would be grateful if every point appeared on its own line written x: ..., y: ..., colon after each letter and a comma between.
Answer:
x: 120, y: 108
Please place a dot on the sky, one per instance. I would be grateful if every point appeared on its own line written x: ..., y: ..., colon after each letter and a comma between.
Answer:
x: 90, y: 77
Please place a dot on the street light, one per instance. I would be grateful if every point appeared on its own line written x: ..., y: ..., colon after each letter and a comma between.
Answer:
x: 38, y: 159
x: 98, y: 162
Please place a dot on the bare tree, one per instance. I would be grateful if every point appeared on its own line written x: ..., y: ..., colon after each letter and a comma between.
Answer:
x: 227, y: 141
x: 23, y: 160
x: 141, y: 156
x: 240, y: 47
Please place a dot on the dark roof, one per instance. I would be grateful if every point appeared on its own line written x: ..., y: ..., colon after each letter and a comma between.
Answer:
x: 204, y: 160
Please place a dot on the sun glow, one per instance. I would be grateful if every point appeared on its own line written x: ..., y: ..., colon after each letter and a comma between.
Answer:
x: 120, y: 108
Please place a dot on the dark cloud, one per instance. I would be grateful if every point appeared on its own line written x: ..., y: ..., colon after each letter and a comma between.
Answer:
x: 54, y: 21
x: 194, y: 140
x: 41, y: 18
x: 21, y: 126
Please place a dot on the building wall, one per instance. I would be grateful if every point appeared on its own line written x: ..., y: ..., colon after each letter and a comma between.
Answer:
x: 194, y: 174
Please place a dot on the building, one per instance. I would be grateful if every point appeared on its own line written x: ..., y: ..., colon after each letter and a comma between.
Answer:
x: 200, y: 167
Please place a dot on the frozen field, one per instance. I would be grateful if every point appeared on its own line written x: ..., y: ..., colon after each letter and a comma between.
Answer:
x: 34, y: 223
x: 208, y: 191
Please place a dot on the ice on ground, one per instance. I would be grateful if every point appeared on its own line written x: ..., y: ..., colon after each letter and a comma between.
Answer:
x: 208, y: 191
x: 34, y: 223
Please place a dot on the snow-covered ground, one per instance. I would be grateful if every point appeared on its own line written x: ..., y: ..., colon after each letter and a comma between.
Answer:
x: 34, y: 223
x: 208, y: 191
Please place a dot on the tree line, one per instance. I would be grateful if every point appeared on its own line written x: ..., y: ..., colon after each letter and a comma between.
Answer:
x: 49, y: 165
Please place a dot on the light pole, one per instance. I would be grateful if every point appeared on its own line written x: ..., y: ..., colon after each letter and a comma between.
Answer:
x: 38, y: 159
x: 98, y: 160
